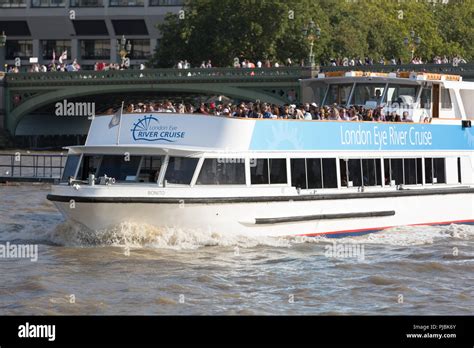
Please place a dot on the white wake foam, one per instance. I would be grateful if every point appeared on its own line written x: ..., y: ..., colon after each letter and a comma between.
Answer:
x: 136, y: 235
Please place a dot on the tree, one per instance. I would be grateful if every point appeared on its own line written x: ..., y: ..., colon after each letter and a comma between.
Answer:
x: 222, y: 30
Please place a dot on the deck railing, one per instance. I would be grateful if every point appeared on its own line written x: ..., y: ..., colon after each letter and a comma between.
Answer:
x: 24, y: 167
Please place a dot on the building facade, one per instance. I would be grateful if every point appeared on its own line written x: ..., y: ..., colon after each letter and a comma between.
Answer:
x: 87, y: 29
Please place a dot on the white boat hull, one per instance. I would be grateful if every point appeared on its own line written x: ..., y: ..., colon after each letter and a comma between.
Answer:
x: 317, y: 217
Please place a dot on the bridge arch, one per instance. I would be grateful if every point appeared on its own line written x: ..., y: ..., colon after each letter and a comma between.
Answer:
x: 43, y: 99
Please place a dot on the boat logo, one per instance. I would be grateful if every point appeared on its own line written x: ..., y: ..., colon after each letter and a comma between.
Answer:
x: 149, y: 128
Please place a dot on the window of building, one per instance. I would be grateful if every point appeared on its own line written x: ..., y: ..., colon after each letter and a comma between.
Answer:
x: 150, y: 168
x: 95, y: 49
x: 167, y: 2
x: 18, y: 48
x: 140, y: 49
x: 180, y: 170
x: 12, y: 3
x: 126, y: 3
x: 48, y: 3
x: 58, y: 46
x: 121, y: 168
x: 215, y: 172
x: 87, y: 3
x: 90, y: 27
x: 338, y: 94
x: 70, y: 167
x: 445, y: 99
x: 269, y: 171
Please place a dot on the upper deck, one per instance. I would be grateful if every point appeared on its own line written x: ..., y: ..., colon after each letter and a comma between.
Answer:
x: 202, y: 133
x: 424, y: 96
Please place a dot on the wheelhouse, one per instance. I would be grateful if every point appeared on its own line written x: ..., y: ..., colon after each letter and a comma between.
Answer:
x: 425, y: 96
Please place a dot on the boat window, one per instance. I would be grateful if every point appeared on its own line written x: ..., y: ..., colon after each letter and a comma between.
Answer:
x: 314, y: 167
x: 355, y: 171
x: 371, y: 170
x: 394, y: 171
x: 435, y: 171
x: 122, y: 168
x: 269, y: 171
x: 401, y: 95
x: 278, y: 171
x: 338, y: 94
x: 368, y: 92
x: 428, y: 170
x: 445, y: 99
x: 259, y: 172
x: 150, y: 168
x: 413, y: 171
x: 439, y: 171
x: 180, y: 170
x: 313, y: 173
x: 89, y: 165
x: 70, y: 167
x: 362, y: 172
x: 298, y: 173
x: 218, y: 172
x: 459, y: 171
x: 425, y: 101
x: 329, y: 173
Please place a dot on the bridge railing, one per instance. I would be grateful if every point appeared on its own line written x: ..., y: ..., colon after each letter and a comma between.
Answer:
x: 160, y: 74
x: 147, y: 75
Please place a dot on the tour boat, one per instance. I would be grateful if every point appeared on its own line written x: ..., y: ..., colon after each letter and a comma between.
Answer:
x: 278, y: 177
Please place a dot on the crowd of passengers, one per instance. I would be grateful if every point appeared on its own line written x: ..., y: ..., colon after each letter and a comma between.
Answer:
x: 270, y: 111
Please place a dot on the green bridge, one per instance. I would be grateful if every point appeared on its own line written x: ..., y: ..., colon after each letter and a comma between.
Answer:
x: 27, y: 99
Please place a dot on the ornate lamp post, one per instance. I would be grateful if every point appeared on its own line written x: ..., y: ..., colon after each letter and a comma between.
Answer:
x: 123, y: 48
x: 3, y: 41
x: 412, y: 42
x: 312, y: 32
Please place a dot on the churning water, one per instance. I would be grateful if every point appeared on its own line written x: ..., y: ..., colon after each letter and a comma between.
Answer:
x: 137, y: 269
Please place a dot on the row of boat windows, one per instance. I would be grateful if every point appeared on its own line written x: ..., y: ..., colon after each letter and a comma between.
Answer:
x: 306, y: 173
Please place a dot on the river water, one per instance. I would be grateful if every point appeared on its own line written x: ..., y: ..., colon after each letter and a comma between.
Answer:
x: 139, y: 270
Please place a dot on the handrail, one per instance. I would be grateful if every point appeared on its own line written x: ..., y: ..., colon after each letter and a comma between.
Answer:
x: 36, y: 166
x: 159, y: 74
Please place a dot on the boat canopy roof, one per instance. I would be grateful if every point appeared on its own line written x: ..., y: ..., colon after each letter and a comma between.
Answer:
x: 402, y: 77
